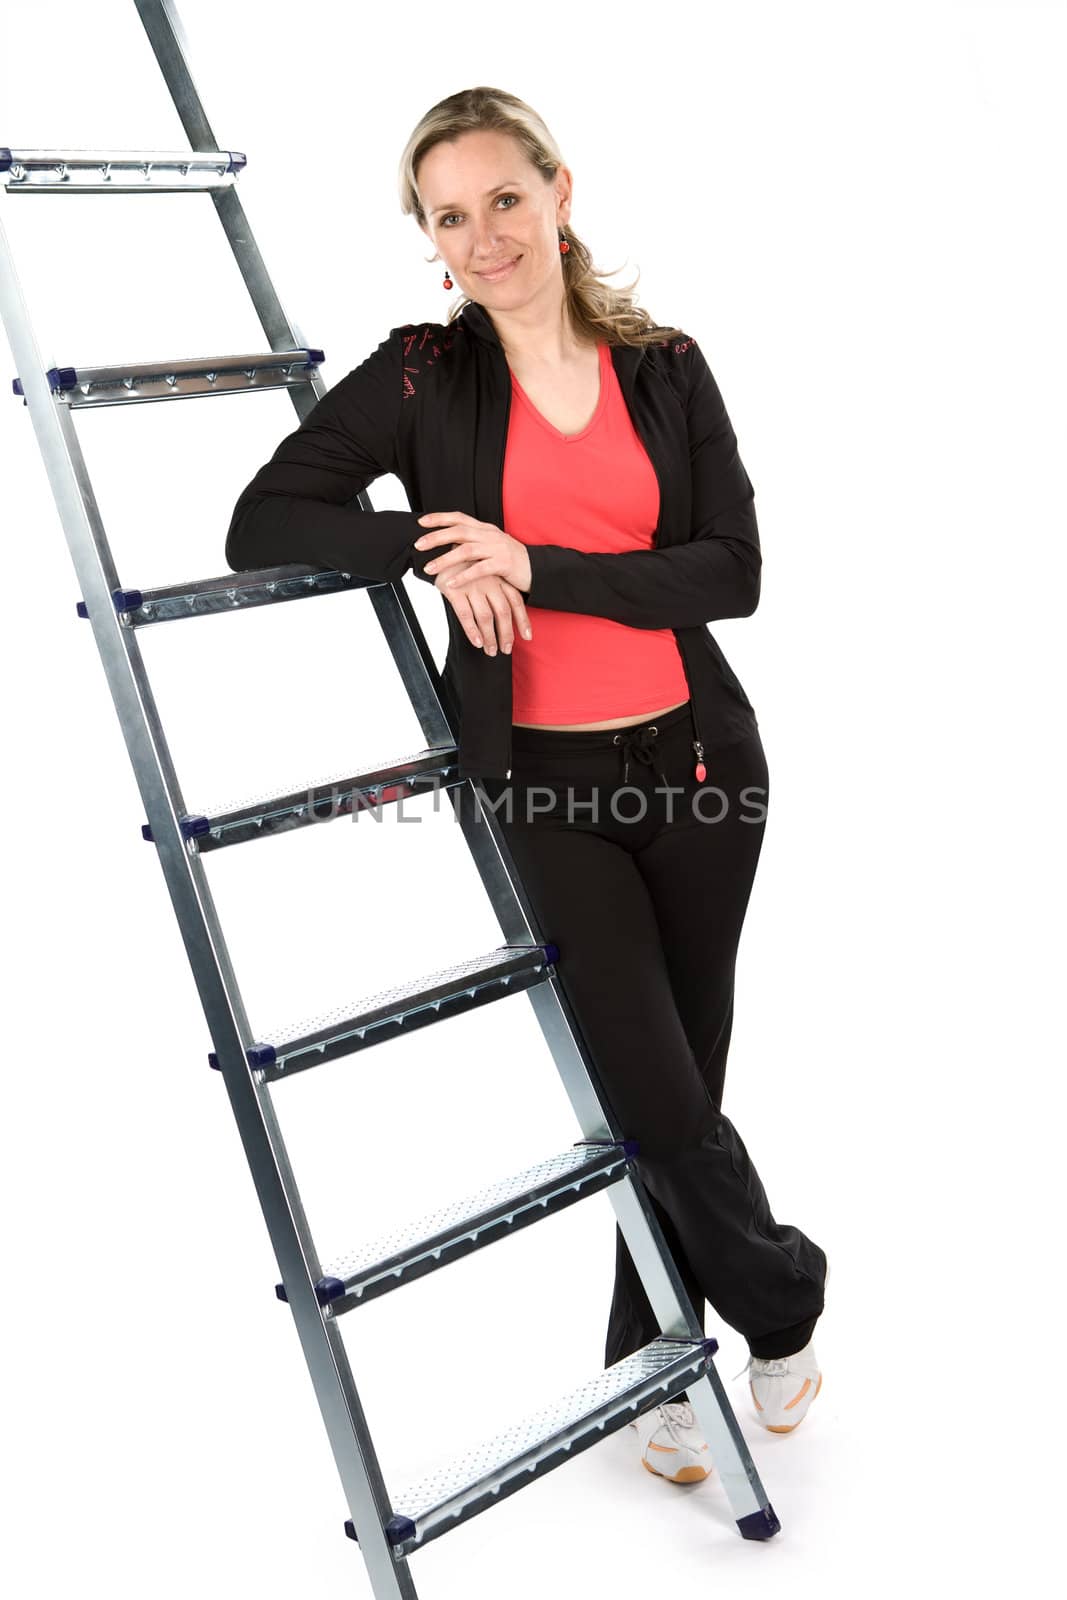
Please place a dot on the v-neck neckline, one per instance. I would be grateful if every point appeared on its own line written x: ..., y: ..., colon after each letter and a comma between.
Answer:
x: 603, y: 355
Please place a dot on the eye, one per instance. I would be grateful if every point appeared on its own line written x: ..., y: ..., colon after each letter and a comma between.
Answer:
x: 444, y: 220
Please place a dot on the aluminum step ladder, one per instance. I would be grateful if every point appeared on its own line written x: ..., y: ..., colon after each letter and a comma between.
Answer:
x: 390, y: 1522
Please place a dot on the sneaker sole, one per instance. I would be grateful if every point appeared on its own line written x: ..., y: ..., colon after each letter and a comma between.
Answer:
x: 683, y: 1475
x: 787, y: 1427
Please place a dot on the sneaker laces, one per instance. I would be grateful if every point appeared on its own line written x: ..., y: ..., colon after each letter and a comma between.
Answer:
x: 766, y: 1366
x: 678, y: 1414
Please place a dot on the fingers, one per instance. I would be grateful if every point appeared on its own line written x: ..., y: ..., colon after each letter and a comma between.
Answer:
x: 462, y: 554
x: 487, y: 616
x: 520, y: 617
x: 501, y: 611
x: 489, y: 610
x: 474, y: 614
x: 459, y: 600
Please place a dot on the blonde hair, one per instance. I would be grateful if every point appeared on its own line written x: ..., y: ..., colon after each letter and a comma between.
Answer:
x: 598, y: 312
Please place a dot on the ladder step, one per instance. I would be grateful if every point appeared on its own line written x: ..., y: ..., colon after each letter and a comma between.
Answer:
x: 321, y: 800
x: 509, y: 969
x: 118, y: 171
x: 479, y: 1219
x: 199, y: 597
x: 488, y: 1473
x: 180, y: 380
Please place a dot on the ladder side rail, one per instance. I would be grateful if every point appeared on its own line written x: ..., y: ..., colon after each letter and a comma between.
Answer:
x: 413, y: 658
x: 166, y: 35
x: 205, y: 945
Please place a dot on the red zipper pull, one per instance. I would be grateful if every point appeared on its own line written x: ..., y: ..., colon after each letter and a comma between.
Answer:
x: 701, y: 769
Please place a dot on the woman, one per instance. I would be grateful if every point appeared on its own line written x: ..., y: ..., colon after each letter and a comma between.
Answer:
x: 617, y: 749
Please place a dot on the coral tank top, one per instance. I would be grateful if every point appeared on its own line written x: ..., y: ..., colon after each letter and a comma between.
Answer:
x: 593, y: 490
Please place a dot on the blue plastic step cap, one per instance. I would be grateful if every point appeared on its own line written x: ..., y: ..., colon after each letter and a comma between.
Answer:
x: 58, y: 378
x: 122, y: 599
x: 326, y: 1289
x: 630, y: 1147
x: 190, y: 827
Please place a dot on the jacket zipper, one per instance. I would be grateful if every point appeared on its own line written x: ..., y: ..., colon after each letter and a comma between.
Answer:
x: 700, y: 770
x: 500, y: 506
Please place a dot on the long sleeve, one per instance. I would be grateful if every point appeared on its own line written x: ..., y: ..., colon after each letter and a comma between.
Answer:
x: 297, y: 507
x: 716, y: 574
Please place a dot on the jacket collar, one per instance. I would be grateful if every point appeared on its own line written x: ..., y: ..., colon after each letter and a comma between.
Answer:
x: 477, y: 321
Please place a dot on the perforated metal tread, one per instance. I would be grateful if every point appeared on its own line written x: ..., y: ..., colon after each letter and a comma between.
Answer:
x: 229, y: 592
x: 476, y: 981
x: 478, y: 1478
x: 142, y: 382
x: 415, y: 1248
x: 321, y: 799
x: 118, y: 171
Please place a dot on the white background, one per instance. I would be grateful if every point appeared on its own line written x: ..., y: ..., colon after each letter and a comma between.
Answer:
x: 857, y: 211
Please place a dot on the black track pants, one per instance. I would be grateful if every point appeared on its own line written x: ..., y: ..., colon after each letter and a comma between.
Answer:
x: 645, y: 897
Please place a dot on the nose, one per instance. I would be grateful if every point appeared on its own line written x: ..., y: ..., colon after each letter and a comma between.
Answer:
x: 485, y: 245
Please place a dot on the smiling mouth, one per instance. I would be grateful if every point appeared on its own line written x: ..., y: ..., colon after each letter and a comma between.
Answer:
x: 505, y: 266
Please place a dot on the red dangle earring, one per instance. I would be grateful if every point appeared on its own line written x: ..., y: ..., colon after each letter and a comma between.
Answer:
x: 448, y: 280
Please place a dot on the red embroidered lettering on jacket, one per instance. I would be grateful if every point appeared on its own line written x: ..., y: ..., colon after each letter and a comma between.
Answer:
x: 409, y: 371
x: 413, y: 369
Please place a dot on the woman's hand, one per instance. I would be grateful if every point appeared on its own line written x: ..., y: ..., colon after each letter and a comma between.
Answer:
x: 489, y: 610
x: 482, y: 551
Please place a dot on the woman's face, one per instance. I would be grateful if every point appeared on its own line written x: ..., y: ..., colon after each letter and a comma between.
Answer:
x: 474, y: 229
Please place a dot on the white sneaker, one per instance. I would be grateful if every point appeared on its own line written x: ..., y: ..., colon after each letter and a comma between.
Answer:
x: 782, y: 1389
x: 671, y: 1444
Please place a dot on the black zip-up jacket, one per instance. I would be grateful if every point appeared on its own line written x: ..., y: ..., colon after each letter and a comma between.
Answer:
x: 431, y: 406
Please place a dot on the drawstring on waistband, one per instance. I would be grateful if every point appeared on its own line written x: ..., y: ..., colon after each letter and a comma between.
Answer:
x: 639, y: 742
